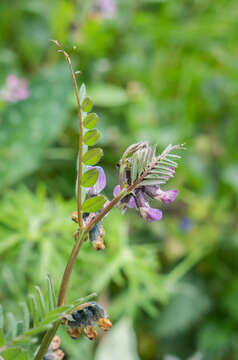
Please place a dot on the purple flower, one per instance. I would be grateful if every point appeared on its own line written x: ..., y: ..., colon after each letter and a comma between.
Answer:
x: 107, y: 8
x: 142, y: 173
x: 100, y: 184
x: 145, y: 210
x: 165, y: 196
x: 127, y: 202
x: 14, y: 90
x: 185, y: 224
x: 151, y: 214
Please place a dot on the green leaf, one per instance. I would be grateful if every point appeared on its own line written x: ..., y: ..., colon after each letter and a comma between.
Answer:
x: 134, y: 168
x: 91, y: 157
x: 12, y: 325
x: 34, y: 309
x: 91, y: 137
x: 20, y: 327
x: 93, y: 204
x: 15, y: 354
x: 87, y: 104
x: 90, y: 121
x: 90, y: 177
x: 30, y: 126
x: 51, y: 292
x: 41, y: 301
x: 56, y: 314
x: 2, y: 339
x: 152, y: 182
x: 37, y: 330
x: 26, y: 314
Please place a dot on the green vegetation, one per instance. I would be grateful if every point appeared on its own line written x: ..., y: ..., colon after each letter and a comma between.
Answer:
x: 165, y: 72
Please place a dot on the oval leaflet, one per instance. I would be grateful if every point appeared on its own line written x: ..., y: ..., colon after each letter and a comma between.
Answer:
x: 90, y: 177
x: 93, y: 204
x: 91, y: 137
x: 90, y: 121
x: 87, y: 104
x: 91, y: 157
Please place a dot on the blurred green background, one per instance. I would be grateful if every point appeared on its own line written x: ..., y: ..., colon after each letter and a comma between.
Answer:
x: 166, y: 72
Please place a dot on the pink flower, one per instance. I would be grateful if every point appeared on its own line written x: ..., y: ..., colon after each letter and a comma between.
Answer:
x: 14, y: 90
x: 107, y: 8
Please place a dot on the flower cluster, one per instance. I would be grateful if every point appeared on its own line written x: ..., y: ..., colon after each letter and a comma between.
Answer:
x: 139, y: 197
x: 83, y: 320
x: 53, y: 352
x: 14, y: 90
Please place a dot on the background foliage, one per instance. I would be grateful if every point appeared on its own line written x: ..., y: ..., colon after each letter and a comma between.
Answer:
x: 165, y: 72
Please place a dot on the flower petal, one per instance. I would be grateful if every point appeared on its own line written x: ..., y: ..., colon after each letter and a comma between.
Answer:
x: 116, y: 190
x: 131, y: 203
x: 128, y: 201
x: 151, y: 214
x: 100, y: 184
x: 140, y: 198
x: 168, y: 196
x: 165, y: 196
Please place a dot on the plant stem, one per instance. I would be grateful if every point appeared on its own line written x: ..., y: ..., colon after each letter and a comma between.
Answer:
x: 80, y: 153
x: 69, y: 268
x: 46, y: 341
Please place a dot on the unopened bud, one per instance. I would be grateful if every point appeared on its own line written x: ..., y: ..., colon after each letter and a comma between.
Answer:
x: 96, y: 237
x: 74, y: 332
x: 90, y: 332
x: 104, y: 324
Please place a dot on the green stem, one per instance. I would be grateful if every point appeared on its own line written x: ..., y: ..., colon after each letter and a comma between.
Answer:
x: 46, y: 341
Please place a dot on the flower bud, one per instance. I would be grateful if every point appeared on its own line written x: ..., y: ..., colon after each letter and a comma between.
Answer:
x: 75, y: 332
x: 96, y: 237
x: 104, y: 324
x: 90, y: 332
x: 82, y: 321
x: 133, y: 148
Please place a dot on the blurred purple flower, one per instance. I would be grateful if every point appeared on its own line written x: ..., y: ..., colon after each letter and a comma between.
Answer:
x: 14, y: 90
x: 100, y: 184
x: 185, y: 224
x: 107, y: 8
